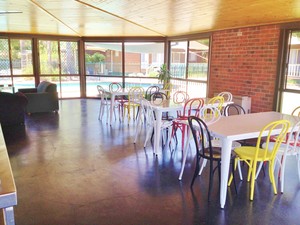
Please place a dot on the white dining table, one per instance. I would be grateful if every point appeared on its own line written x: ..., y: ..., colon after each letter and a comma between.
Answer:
x: 170, y: 107
x: 240, y: 127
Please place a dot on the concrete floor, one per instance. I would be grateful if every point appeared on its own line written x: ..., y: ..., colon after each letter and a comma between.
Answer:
x: 71, y: 168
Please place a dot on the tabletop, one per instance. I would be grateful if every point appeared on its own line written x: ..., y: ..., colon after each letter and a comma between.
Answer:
x: 246, y: 126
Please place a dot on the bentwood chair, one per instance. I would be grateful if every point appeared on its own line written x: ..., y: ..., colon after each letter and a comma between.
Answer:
x: 104, y: 103
x: 233, y: 109
x: 150, y: 90
x: 217, y: 101
x: 226, y: 95
x: 150, y: 120
x: 180, y: 97
x: 134, y: 97
x: 191, y: 107
x: 120, y: 100
x: 290, y: 147
x: 205, y: 150
x: 209, y: 114
x: 251, y: 155
x: 296, y: 111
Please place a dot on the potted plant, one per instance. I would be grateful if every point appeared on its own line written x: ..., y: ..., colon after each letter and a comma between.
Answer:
x: 164, y: 76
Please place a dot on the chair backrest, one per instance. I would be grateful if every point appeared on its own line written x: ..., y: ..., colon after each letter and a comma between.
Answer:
x: 191, y: 107
x: 180, y: 97
x: 135, y: 94
x: 102, y: 93
x: 202, y: 137
x: 217, y: 101
x: 226, y: 95
x: 282, y: 127
x: 46, y: 86
x: 115, y: 87
x: 150, y: 90
x: 158, y: 96
x: 209, y: 114
x: 293, y: 141
x: 233, y: 109
x: 296, y: 111
x: 147, y: 111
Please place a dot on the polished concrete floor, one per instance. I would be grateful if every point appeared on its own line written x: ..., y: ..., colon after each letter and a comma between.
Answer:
x: 71, y: 168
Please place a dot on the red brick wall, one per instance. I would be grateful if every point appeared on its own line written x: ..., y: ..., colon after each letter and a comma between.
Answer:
x: 244, y: 62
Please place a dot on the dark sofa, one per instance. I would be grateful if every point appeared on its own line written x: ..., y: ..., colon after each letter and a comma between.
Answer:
x: 44, y: 98
x: 12, y: 108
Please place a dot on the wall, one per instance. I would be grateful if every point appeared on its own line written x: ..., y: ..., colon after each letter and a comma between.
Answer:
x: 244, y: 62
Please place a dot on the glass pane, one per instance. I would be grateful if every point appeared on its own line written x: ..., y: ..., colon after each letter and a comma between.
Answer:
x: 194, y: 89
x: 141, y: 82
x: 70, y: 86
x: 293, y: 70
x: 21, y: 56
x: 198, y: 59
x: 289, y: 102
x: 178, y: 59
x: 103, y: 58
x: 23, y: 82
x: 4, y: 58
x: 143, y: 58
x: 49, y: 60
x: 69, y: 57
x: 93, y: 81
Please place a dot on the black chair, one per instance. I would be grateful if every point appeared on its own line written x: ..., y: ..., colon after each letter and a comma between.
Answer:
x: 158, y: 96
x: 233, y: 109
x: 205, y: 150
x: 150, y: 90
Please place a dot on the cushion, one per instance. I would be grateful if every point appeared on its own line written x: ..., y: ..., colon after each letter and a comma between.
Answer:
x: 46, y: 86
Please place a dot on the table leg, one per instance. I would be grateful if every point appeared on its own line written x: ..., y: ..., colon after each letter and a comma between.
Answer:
x: 184, y: 152
x: 225, y: 159
x: 8, y: 214
x: 157, y: 130
x: 112, y: 106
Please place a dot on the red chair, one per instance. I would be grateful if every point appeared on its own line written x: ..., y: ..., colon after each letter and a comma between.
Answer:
x: 191, y: 108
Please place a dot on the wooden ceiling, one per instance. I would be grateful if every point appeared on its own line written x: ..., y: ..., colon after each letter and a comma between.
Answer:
x: 105, y: 18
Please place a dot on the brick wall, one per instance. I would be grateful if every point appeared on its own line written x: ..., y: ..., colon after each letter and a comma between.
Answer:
x: 244, y: 62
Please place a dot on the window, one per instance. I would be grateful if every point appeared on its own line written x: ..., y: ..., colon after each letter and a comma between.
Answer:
x: 103, y: 65
x: 59, y: 64
x: 189, y: 65
x: 16, y: 66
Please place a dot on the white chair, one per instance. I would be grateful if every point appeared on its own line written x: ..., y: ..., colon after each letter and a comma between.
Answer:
x: 288, y: 148
x: 226, y: 95
x: 104, y: 103
x: 147, y: 114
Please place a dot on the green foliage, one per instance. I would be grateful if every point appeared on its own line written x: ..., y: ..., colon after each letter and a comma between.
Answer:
x: 96, y: 57
x: 164, y: 75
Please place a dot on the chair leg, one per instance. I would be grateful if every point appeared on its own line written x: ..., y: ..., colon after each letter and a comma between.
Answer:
x: 253, y: 174
x: 196, y: 170
x: 271, y: 175
x: 232, y: 171
x: 204, y: 161
x: 211, y: 173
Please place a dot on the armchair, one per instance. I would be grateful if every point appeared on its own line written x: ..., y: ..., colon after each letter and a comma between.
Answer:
x: 44, y: 98
x: 12, y: 108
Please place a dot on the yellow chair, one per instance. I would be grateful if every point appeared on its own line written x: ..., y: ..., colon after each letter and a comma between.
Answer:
x: 217, y: 101
x: 254, y: 154
x: 135, y: 95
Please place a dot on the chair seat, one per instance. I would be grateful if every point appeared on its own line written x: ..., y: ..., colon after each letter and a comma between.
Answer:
x: 247, y: 152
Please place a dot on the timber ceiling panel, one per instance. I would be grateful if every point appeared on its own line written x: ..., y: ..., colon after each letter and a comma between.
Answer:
x: 141, y: 17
